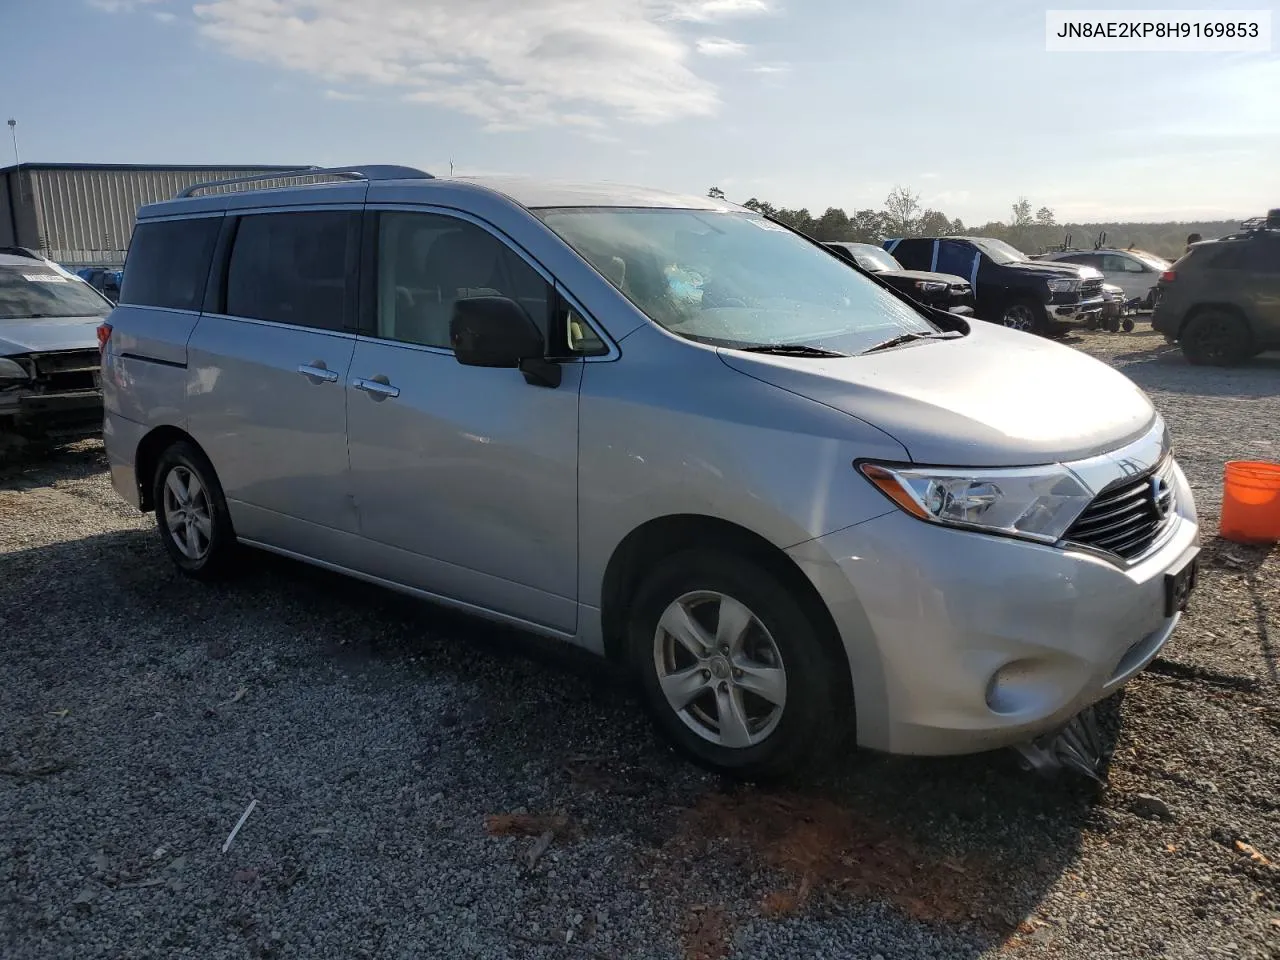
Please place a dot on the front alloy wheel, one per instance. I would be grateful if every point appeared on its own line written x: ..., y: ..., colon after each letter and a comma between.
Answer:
x: 1019, y: 316
x: 738, y: 666
x: 720, y: 669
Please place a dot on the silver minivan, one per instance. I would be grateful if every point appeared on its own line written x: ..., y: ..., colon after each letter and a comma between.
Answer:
x: 663, y: 428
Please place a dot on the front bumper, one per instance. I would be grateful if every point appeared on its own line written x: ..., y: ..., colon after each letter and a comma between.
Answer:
x: 1078, y: 312
x: 51, y: 416
x: 930, y: 615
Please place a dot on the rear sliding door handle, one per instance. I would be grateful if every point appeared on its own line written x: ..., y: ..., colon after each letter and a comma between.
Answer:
x: 317, y: 373
x: 379, y: 387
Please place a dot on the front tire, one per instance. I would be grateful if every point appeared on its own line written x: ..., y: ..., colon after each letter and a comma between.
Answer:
x: 1216, y: 338
x: 731, y: 665
x: 191, y: 513
x: 1025, y: 315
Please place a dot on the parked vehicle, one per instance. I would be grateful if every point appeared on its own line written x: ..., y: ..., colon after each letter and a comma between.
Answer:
x: 49, y: 363
x: 1221, y: 300
x: 942, y: 290
x: 666, y: 429
x: 105, y: 281
x: 1133, y: 271
x: 1011, y: 289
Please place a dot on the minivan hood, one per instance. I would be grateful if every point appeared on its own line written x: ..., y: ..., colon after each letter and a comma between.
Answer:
x: 48, y: 333
x: 993, y: 398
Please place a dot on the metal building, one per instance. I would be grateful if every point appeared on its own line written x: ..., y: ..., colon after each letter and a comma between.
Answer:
x: 81, y: 214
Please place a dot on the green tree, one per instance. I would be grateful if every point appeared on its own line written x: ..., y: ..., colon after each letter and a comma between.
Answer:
x: 900, y: 209
x: 832, y: 225
x: 715, y: 193
x: 1021, y: 214
x: 1044, y: 217
x: 933, y: 223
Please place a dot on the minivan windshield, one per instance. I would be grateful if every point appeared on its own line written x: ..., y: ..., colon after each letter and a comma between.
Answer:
x: 734, y: 279
x: 998, y: 250
x: 37, y: 291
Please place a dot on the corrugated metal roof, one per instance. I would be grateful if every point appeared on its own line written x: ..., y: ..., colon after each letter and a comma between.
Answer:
x: 153, y: 166
x: 85, y: 212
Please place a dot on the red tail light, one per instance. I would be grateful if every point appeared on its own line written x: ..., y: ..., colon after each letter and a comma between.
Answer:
x: 104, y: 334
x: 1169, y: 276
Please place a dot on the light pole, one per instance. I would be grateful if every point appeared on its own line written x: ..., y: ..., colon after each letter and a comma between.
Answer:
x: 13, y: 132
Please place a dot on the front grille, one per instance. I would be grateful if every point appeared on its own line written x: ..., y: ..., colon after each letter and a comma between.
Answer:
x: 1090, y: 288
x: 1129, y: 516
x: 68, y: 370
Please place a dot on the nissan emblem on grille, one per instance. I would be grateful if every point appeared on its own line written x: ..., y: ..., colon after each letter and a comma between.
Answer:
x: 1161, y: 496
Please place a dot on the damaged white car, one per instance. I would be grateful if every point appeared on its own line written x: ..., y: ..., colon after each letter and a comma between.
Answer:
x: 50, y: 381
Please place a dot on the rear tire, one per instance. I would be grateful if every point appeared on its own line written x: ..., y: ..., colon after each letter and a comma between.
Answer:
x: 191, y: 513
x: 732, y: 667
x: 1127, y: 325
x: 1216, y: 338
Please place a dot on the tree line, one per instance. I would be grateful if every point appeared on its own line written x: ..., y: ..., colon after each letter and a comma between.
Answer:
x: 1030, y: 230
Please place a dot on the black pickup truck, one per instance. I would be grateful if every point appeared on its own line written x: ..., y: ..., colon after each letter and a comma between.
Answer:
x: 1010, y: 288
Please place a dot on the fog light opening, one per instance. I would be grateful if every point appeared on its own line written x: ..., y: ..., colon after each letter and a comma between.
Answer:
x: 1013, y: 688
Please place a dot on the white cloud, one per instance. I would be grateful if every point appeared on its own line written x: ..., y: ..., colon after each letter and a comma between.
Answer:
x: 120, y: 6
x: 342, y: 95
x: 511, y: 63
x: 165, y: 17
x: 720, y: 47
x: 704, y: 11
x: 771, y: 68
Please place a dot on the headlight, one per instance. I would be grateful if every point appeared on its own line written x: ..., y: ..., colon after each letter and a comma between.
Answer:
x: 930, y: 286
x: 1036, y: 503
x: 1063, y: 286
x: 12, y: 370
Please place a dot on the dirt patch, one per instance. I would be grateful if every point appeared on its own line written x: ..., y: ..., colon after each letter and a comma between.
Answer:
x: 705, y: 933
x: 824, y: 848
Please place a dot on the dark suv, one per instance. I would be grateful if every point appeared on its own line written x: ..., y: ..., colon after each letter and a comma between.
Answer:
x: 1221, y: 301
x: 1011, y: 289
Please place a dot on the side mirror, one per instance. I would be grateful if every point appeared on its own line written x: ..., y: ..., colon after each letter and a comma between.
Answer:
x: 496, y: 332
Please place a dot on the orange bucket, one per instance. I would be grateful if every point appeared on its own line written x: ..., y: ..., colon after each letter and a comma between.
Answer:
x: 1251, y: 502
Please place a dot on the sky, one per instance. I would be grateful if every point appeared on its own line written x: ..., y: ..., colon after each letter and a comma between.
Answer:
x: 812, y: 103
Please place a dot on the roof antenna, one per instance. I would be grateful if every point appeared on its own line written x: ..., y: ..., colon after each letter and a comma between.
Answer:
x: 451, y: 168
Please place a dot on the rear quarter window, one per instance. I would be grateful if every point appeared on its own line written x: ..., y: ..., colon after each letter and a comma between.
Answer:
x: 168, y: 263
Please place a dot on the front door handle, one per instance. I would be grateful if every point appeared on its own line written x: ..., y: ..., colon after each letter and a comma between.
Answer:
x: 316, y: 372
x: 379, y: 387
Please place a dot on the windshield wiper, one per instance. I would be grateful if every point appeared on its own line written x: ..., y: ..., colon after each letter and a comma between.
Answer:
x: 793, y: 350
x: 911, y: 338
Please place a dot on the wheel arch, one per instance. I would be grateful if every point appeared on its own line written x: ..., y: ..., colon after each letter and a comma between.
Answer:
x: 147, y: 458
x: 649, y: 543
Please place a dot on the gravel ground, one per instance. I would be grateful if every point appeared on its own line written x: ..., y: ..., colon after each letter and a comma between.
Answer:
x: 427, y: 785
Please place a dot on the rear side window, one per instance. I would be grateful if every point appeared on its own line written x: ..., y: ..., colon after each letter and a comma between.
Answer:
x: 168, y: 263
x: 914, y: 254
x: 296, y: 268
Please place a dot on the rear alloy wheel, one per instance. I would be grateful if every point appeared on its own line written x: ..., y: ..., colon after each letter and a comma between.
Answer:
x: 733, y: 668
x: 191, y: 512
x: 1216, y: 338
x: 1023, y: 315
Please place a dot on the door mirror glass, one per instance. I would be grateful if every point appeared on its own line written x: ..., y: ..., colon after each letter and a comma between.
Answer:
x: 493, y: 332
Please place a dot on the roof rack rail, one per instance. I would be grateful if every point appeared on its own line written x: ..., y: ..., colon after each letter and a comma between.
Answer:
x: 372, y: 172
x: 21, y: 252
